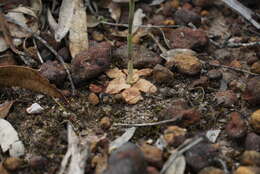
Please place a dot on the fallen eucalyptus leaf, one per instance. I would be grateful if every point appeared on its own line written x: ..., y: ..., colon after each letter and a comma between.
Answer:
x: 65, y: 19
x: 129, y: 133
x: 8, y: 135
x: 4, y: 108
x: 27, y: 78
x: 178, y: 166
x: 78, y: 35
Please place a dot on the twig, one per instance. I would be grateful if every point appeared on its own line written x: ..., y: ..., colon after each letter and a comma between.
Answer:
x: 249, y: 44
x: 141, y: 26
x: 148, y: 124
x: 233, y: 68
x: 45, y: 43
x: 243, y: 11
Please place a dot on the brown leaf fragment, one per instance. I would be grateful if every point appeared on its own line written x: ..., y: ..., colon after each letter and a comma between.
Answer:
x: 132, y: 95
x: 117, y: 85
x: 4, y: 108
x: 115, y: 73
x: 145, y: 86
x: 27, y: 78
x: 144, y: 72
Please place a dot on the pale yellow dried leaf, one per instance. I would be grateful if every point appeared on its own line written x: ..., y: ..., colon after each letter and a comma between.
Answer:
x: 36, y: 6
x: 65, y: 18
x: 145, y: 86
x: 115, y: 73
x: 117, y: 85
x: 132, y: 95
x: 24, y: 10
x: 4, y: 108
x: 78, y: 36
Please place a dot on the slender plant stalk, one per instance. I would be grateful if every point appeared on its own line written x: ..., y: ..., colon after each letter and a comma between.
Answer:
x: 130, y: 66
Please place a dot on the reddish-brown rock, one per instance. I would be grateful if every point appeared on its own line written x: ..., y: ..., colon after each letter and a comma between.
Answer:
x: 128, y: 159
x: 184, y: 16
x: 252, y: 93
x: 226, y: 98
x: 54, y: 72
x: 252, y: 142
x: 187, y: 38
x: 91, y: 63
x: 236, y: 127
x: 152, y: 154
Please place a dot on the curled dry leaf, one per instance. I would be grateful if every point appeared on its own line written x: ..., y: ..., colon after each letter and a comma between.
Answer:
x: 115, y: 73
x: 24, y: 10
x: 78, y: 35
x: 36, y: 6
x: 65, y: 18
x: 19, y: 16
x: 27, y: 78
x: 132, y: 95
x: 117, y: 85
x: 4, y: 108
x: 145, y: 86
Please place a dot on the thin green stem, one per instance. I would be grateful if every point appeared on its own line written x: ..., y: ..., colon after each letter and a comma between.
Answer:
x: 130, y: 66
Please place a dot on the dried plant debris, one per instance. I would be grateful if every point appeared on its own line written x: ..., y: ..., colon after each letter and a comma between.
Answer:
x: 130, y: 93
x: 27, y: 78
x: 5, y: 108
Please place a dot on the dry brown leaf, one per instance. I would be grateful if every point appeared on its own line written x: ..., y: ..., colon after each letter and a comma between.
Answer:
x: 27, y: 78
x: 2, y: 169
x: 4, y: 108
x: 144, y: 72
x: 135, y: 77
x: 15, y: 30
x: 132, y: 95
x: 145, y: 86
x: 78, y: 30
x: 115, y: 11
x: 117, y: 85
x: 115, y: 73
x: 65, y: 18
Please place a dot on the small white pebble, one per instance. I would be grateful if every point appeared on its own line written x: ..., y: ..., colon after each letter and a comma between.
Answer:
x: 34, y: 109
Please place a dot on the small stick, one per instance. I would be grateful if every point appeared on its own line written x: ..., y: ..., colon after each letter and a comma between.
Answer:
x: 141, y: 26
x: 249, y: 44
x: 148, y: 124
x: 45, y: 43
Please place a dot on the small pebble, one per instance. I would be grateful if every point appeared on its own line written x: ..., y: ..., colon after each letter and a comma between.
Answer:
x: 105, y: 123
x: 35, y: 108
x: 255, y: 120
x: 93, y: 99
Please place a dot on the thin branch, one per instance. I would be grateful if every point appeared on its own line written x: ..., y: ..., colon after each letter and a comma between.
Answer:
x: 141, y: 26
x: 148, y: 124
x: 249, y: 44
x: 45, y: 43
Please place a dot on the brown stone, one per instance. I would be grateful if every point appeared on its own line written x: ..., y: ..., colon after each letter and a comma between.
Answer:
x: 54, y: 72
x: 93, y: 99
x: 255, y: 68
x: 127, y: 159
x: 184, y: 17
x: 252, y: 92
x: 162, y: 74
x: 187, y: 38
x: 255, y: 120
x: 186, y: 64
x: 247, y: 170
x: 252, y: 142
x: 236, y: 127
x: 152, y: 154
x: 226, y: 98
x: 211, y: 170
x: 105, y: 123
x: 251, y: 158
x: 13, y: 163
x: 143, y: 58
x: 91, y: 63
